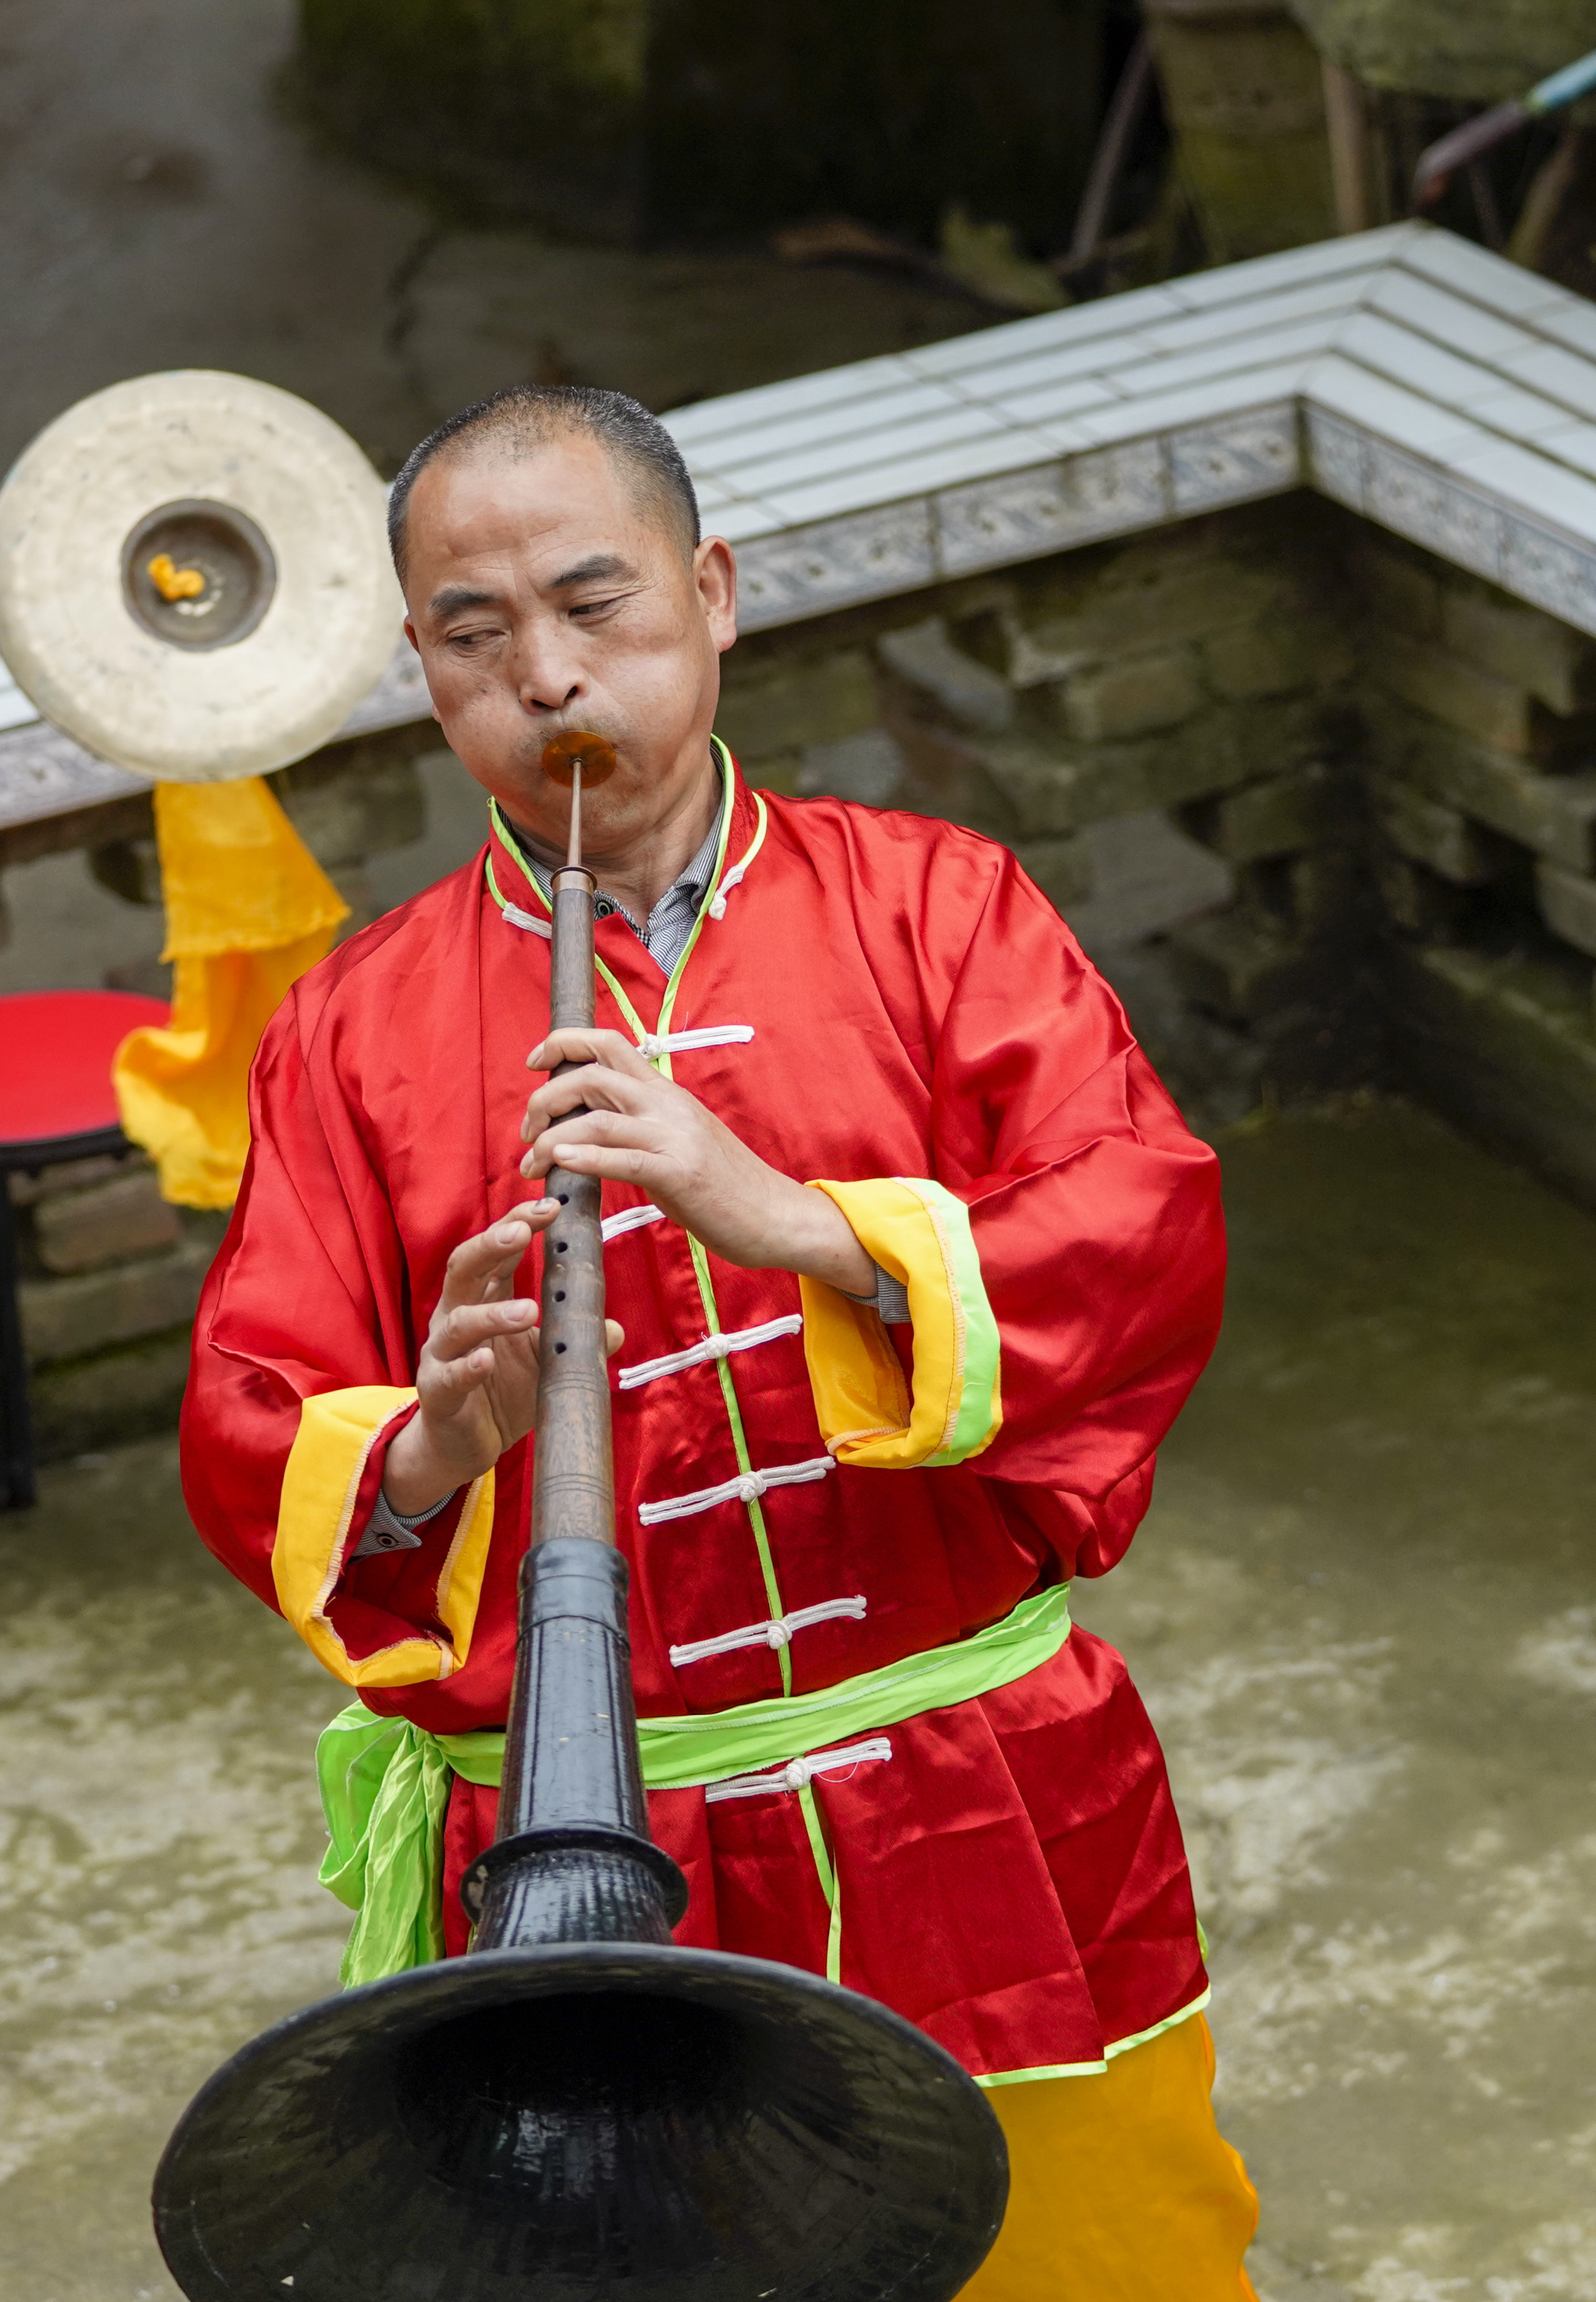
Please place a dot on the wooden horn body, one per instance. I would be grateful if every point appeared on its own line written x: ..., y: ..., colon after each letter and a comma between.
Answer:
x: 579, y: 2108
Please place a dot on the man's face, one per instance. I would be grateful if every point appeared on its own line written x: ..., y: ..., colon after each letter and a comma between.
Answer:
x: 542, y: 596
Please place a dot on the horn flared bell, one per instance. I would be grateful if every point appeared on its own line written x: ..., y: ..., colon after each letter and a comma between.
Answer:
x: 585, y: 2120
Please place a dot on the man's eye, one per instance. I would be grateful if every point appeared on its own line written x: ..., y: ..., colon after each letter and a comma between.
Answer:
x: 592, y: 607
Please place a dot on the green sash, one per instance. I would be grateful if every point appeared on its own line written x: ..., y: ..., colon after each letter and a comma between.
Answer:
x: 385, y: 1783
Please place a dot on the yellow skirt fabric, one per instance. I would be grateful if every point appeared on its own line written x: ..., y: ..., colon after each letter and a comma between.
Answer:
x: 1121, y: 2187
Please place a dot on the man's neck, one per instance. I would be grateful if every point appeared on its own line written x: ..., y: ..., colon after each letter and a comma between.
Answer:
x: 637, y: 871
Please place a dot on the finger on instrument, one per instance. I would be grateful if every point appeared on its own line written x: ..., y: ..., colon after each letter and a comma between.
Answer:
x: 471, y: 1325
x: 588, y: 1045
x: 584, y: 1132
x: 477, y: 1262
x: 595, y: 1087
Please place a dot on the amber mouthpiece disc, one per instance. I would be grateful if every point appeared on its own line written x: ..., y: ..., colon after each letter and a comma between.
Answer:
x: 562, y: 754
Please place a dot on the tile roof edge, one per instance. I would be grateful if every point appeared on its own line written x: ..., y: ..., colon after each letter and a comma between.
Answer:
x: 1236, y: 452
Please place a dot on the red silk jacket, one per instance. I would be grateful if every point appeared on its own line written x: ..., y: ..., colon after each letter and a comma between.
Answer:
x: 905, y: 1004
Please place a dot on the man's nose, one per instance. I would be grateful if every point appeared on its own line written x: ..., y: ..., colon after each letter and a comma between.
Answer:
x: 548, y: 672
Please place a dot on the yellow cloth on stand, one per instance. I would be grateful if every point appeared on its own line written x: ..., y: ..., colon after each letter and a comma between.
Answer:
x: 248, y: 909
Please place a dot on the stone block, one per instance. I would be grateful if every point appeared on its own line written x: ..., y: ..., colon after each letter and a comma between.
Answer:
x: 1503, y: 1046
x: 1147, y: 876
x: 70, y: 1318
x: 1477, y: 703
x: 109, y: 1398
x: 795, y: 704
x: 1242, y: 92
x: 1568, y: 903
x: 1147, y: 594
x: 1136, y: 695
x: 1328, y: 888
x: 1413, y: 900
x: 1554, y: 814
x: 1520, y: 644
x: 1212, y: 1069
x: 1055, y: 785
x: 107, y: 1221
x: 1241, y: 968
x: 951, y: 775
x: 1275, y: 816
x: 870, y: 768
x: 72, y: 1174
x: 363, y: 812
x: 972, y: 693
x: 1388, y: 588
x: 1060, y: 867
x: 1272, y: 658
x: 1442, y: 838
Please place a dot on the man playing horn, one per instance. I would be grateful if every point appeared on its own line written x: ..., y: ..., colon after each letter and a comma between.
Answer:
x: 915, y: 1263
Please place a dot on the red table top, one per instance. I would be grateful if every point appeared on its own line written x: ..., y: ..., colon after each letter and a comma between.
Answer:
x: 56, y: 1051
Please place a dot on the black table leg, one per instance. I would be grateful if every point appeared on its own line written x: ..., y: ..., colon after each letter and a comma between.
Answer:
x: 17, y: 1491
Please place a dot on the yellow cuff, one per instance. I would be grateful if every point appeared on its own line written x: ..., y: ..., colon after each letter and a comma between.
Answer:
x: 321, y: 1486
x: 868, y: 1415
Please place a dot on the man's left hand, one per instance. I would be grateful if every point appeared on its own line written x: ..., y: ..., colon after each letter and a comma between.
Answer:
x: 618, y: 1118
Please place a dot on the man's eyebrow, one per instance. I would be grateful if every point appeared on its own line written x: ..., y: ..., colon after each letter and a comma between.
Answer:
x: 455, y: 597
x: 602, y: 568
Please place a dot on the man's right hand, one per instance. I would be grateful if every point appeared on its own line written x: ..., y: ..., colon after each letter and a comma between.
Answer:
x: 478, y: 1377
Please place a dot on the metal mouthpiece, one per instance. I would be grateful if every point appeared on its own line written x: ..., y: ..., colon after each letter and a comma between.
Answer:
x: 563, y: 755
x: 572, y: 760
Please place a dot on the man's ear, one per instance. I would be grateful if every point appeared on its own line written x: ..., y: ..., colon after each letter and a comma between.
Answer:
x: 715, y: 571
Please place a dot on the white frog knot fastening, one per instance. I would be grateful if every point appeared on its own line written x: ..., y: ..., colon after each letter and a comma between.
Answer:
x: 655, y: 1044
x: 746, y: 1488
x: 799, y: 1773
x: 711, y: 1346
x: 777, y: 1633
x: 734, y: 879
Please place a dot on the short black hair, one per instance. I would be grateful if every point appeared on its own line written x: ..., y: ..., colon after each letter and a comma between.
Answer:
x: 530, y: 415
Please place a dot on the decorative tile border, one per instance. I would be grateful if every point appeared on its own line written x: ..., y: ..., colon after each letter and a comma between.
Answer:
x: 1556, y: 576
x: 1432, y: 508
x: 1027, y: 515
x: 838, y: 563
x: 398, y: 697
x: 1335, y: 458
x: 44, y: 773
x: 1258, y: 454
x: 1199, y: 394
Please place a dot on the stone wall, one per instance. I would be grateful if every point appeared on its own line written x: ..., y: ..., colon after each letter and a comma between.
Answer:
x: 1481, y: 716
x: 1321, y: 807
x: 646, y: 119
x: 1166, y: 731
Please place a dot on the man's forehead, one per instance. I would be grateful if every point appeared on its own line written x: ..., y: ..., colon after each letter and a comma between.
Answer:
x: 562, y: 501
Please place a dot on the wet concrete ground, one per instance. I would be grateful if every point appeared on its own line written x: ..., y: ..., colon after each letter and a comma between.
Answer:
x: 1361, y: 1613
x: 162, y: 206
